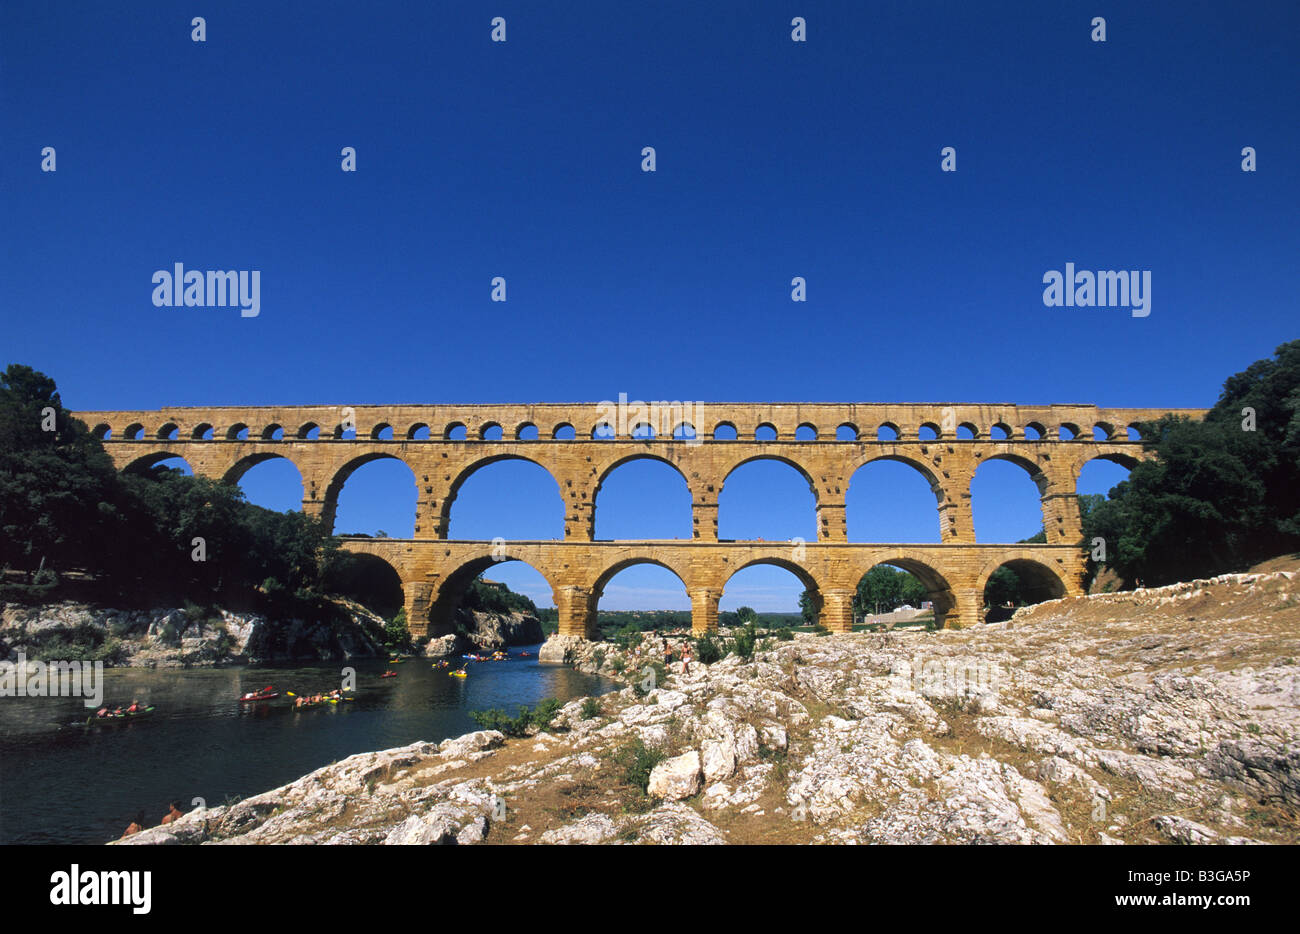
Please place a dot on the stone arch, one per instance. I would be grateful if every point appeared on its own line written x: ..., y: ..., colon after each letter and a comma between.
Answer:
x: 890, y: 430
x: 146, y: 462
x: 1000, y: 431
x: 134, y: 432
x: 970, y: 427
x: 807, y: 428
x: 564, y: 432
x: 939, y: 590
x: 1042, y: 580
x: 450, y: 591
x: 926, y: 473
x: 847, y: 431
x: 169, y: 432
x: 491, y: 431
x: 765, y: 427
x: 269, y: 432
x: 684, y: 431
x: 622, y: 564
x: 235, y: 472
x: 804, y: 472
x: 377, y: 432
x: 805, y: 575
x: 1072, y: 428
x: 103, y: 431
x: 305, y: 430
x: 604, y: 472
x: 1107, y: 428
x: 727, y: 428
x: 346, y: 578
x: 469, y: 469
x: 932, y: 427
x: 235, y: 430
x: 1036, y: 472
x: 203, y: 431
x: 418, y: 432
x: 529, y: 429
x: 340, y: 478
x: 1038, y: 428
x: 452, y: 428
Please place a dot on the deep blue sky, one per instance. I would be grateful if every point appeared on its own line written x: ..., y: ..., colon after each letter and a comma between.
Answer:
x: 775, y: 159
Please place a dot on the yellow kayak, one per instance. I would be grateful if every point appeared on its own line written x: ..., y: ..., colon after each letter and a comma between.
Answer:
x: 459, y: 674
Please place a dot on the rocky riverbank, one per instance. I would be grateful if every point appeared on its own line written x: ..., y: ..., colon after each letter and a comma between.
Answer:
x: 1166, y: 715
x: 172, y: 637
x: 489, y: 632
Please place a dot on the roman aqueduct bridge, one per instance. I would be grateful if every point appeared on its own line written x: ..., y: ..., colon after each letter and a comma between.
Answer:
x: 580, y: 444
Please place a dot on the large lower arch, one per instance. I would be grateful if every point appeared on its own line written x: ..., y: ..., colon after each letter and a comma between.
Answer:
x: 368, y: 579
x: 938, y: 590
x: 1036, y: 582
x: 792, y: 568
x: 447, y: 599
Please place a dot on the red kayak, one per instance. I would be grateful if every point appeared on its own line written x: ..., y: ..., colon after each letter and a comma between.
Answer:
x: 389, y: 674
x: 258, y: 696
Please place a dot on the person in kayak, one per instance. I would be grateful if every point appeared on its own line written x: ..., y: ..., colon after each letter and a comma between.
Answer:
x: 135, y: 706
x: 173, y: 813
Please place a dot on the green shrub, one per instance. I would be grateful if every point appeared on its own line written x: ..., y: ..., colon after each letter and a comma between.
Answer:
x: 519, y: 725
x: 743, y: 646
x: 707, y: 650
x: 636, y: 760
x: 590, y: 708
x: 784, y: 635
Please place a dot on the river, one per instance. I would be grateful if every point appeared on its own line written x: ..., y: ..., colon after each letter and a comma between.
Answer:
x: 76, y: 784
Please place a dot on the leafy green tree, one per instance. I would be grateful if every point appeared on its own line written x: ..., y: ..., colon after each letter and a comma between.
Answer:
x: 1220, y: 496
x: 884, y: 589
x: 59, y: 492
x: 746, y: 614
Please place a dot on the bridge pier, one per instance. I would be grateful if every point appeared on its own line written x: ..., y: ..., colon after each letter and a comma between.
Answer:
x: 417, y: 601
x: 837, y: 610
x: 574, y: 608
x: 704, y: 610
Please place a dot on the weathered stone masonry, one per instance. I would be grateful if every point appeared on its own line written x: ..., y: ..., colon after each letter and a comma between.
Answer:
x: 328, y: 443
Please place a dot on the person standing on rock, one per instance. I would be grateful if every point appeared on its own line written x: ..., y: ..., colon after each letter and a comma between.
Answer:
x: 173, y: 813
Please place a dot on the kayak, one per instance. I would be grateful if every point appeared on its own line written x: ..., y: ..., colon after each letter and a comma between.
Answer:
x: 115, y: 718
x: 459, y: 674
x: 246, y: 698
x: 389, y: 674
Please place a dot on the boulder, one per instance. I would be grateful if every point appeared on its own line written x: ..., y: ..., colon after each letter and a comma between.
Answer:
x: 676, y: 778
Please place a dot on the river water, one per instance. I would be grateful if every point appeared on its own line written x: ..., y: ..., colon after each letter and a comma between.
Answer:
x: 76, y: 784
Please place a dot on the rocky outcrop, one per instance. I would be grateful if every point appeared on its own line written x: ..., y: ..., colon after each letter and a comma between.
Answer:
x: 477, y: 630
x: 1169, y: 717
x: 177, y: 638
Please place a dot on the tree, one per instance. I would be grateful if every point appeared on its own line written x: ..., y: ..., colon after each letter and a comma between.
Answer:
x: 746, y: 614
x: 1223, y: 493
x: 884, y: 589
x: 59, y: 492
